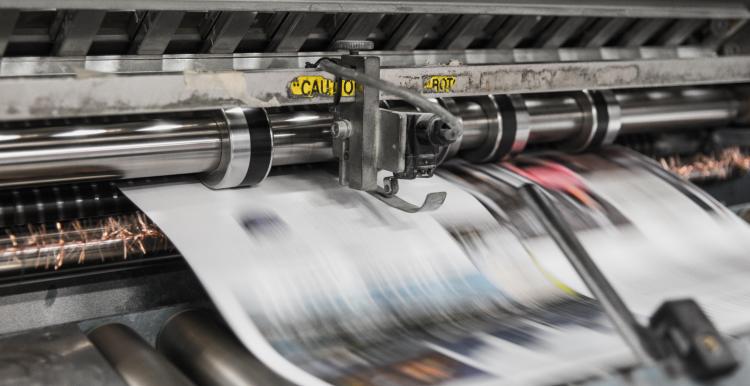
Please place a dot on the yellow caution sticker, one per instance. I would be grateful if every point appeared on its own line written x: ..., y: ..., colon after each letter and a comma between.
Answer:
x: 439, y: 83
x: 316, y: 85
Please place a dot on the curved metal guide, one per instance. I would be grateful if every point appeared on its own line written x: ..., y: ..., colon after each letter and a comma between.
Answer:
x: 431, y: 202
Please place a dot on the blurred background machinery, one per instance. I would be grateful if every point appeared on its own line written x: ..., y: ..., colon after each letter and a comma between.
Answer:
x: 99, y: 93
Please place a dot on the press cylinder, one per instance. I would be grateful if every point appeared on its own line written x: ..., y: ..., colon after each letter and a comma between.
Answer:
x: 553, y: 117
x: 137, y: 362
x: 34, y: 156
x: 206, y: 350
x: 648, y: 111
x: 301, y: 136
x: 238, y: 146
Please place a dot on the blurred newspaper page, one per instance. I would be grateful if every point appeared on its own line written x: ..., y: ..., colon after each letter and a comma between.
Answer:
x: 659, y: 238
x: 327, y: 285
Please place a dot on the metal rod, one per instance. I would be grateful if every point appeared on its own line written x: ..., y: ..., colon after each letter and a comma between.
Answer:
x: 625, y: 323
x: 660, y: 110
x: 553, y: 117
x: 109, y: 150
x: 193, y: 145
x: 137, y: 362
x: 476, y: 126
x: 204, y: 349
x: 301, y: 137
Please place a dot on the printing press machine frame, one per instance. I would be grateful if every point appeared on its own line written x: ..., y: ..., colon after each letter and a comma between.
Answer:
x: 99, y: 93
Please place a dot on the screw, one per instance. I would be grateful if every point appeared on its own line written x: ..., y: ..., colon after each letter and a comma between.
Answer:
x: 341, y: 129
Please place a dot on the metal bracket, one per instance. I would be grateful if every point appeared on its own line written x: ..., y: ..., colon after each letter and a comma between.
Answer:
x: 358, y: 152
x: 368, y: 139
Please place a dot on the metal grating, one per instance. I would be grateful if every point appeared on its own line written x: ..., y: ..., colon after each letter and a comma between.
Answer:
x: 96, y: 32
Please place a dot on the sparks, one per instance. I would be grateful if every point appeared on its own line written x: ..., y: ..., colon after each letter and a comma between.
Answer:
x: 718, y: 166
x: 114, y: 237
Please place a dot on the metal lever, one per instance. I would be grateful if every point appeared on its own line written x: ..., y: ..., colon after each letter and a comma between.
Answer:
x: 387, y: 194
x: 678, y: 329
x: 431, y: 202
x: 628, y: 327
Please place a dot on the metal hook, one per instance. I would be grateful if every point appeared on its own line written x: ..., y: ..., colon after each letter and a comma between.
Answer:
x: 431, y: 202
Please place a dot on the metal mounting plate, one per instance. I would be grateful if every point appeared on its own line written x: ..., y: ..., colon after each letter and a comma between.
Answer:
x: 107, y: 94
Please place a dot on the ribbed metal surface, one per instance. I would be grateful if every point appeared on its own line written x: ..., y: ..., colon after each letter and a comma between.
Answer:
x: 60, y: 203
x: 96, y: 32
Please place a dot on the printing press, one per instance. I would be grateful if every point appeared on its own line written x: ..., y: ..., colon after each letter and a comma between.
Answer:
x: 594, y: 137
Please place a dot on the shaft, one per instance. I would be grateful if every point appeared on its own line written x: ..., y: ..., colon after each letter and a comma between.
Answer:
x: 31, y: 156
x: 660, y: 110
x: 301, y: 137
x: 221, y: 143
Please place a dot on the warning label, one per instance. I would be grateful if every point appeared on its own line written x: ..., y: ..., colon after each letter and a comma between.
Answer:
x: 316, y: 85
x: 439, y: 83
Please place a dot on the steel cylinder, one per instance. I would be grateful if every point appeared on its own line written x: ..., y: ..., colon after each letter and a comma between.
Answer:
x: 553, y: 117
x: 208, y: 353
x: 678, y: 109
x: 109, y: 150
x: 200, y: 144
x: 475, y: 123
x: 301, y: 137
x: 137, y: 362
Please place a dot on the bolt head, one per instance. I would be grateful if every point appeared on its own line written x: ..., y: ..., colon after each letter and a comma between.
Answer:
x: 341, y: 129
x: 448, y: 134
x: 439, y: 132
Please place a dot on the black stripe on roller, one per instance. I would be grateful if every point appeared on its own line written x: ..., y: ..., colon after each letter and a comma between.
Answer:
x: 509, y: 126
x: 261, y: 146
x: 602, y: 119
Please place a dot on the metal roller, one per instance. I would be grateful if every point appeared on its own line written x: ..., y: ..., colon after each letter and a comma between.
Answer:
x: 485, y: 116
x: 589, y: 124
x: 237, y: 146
x: 609, y: 116
x: 553, y: 117
x: 206, y: 350
x: 665, y: 109
x: 109, y: 150
x: 137, y: 362
x: 301, y: 137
